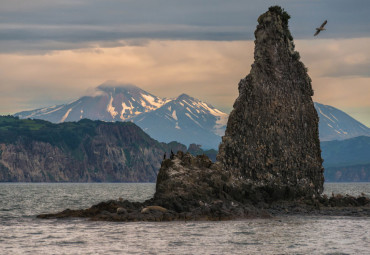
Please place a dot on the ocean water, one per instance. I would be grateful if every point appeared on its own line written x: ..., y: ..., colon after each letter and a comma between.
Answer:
x: 22, y: 233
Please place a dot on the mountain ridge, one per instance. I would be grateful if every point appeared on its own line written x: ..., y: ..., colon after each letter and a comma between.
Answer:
x: 347, y: 160
x: 187, y: 119
x: 338, y: 125
x: 184, y: 118
x: 84, y: 151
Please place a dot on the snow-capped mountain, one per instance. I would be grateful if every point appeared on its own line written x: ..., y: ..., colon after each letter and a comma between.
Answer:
x: 183, y: 119
x: 109, y: 103
x: 337, y: 125
x: 186, y: 120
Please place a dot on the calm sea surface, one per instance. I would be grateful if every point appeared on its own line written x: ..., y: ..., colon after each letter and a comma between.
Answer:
x: 22, y: 233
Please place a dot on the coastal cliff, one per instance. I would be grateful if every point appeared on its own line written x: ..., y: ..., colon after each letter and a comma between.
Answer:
x: 84, y: 151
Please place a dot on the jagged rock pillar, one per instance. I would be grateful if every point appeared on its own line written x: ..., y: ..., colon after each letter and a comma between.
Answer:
x: 271, y: 141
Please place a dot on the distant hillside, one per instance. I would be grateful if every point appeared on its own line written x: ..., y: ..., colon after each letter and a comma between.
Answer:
x: 337, y: 125
x: 95, y: 151
x: 108, y: 103
x: 186, y: 120
x: 84, y: 151
x: 183, y: 119
x: 344, y: 161
x: 347, y: 160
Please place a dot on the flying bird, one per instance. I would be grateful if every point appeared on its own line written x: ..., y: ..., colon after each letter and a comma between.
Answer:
x: 321, y: 28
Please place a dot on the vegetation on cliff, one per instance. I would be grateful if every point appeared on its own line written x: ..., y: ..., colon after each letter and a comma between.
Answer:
x: 84, y: 151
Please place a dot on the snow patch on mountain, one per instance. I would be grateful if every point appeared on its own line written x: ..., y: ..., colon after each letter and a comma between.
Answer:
x: 126, y: 110
x: 333, y: 116
x: 155, y: 103
x: 42, y: 111
x: 65, y: 115
x: 335, y: 124
x: 187, y: 114
x: 111, y: 108
x: 323, y: 114
x: 174, y: 116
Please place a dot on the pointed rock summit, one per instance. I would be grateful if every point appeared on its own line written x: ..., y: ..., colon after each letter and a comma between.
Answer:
x: 272, y: 140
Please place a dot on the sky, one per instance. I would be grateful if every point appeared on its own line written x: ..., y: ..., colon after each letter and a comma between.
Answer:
x: 53, y: 52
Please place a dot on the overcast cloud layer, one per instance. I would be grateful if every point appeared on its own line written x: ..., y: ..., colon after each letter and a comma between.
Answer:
x: 42, y: 25
x: 52, y: 52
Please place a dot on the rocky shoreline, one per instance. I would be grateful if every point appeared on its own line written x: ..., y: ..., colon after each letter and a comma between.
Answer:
x: 196, y: 204
x: 126, y: 211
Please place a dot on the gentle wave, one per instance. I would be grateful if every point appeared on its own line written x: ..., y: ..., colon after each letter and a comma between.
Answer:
x: 22, y: 233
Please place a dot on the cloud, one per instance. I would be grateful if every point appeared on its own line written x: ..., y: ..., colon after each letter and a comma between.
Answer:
x: 337, y: 58
x: 340, y: 74
x: 359, y: 113
x: 41, y: 25
x: 52, y: 52
x: 37, y: 38
x: 205, y: 69
x: 209, y: 70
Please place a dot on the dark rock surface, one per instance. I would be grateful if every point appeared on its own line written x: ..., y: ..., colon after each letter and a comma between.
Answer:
x: 270, y: 162
x: 272, y: 139
x: 188, y: 188
x: 84, y: 151
x: 194, y: 188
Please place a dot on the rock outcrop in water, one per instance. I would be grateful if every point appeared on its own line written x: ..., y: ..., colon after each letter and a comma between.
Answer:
x: 270, y: 159
x: 272, y: 139
x: 194, y: 188
x: 188, y: 187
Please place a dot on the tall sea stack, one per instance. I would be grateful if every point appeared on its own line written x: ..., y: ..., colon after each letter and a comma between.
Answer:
x: 271, y: 141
